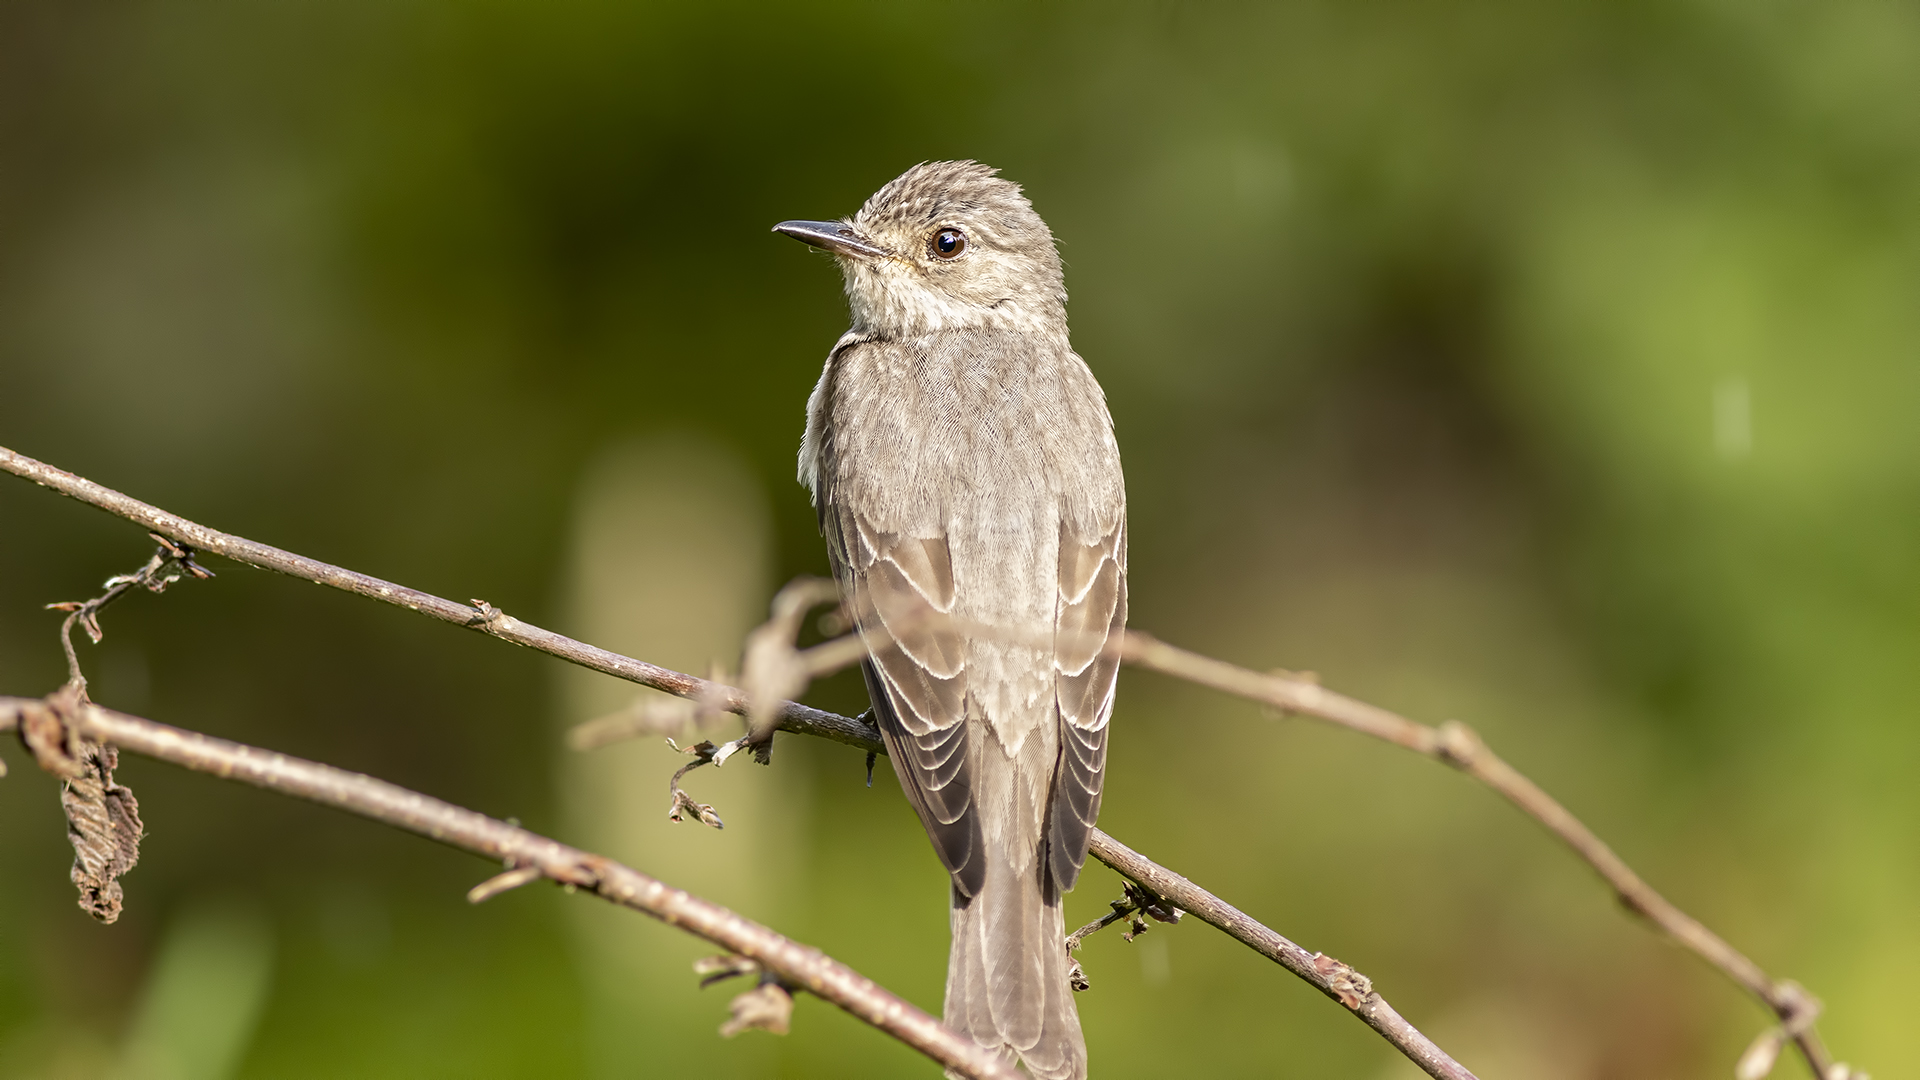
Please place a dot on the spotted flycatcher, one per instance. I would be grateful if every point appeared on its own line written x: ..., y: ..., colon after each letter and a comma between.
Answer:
x: 964, y: 468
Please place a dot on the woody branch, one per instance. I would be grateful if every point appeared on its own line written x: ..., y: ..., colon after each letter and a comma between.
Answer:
x: 772, y: 643
x: 1453, y: 743
x: 527, y: 855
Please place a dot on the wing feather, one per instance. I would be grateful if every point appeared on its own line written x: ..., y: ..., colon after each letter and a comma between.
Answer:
x: 1092, y: 612
x: 901, y: 592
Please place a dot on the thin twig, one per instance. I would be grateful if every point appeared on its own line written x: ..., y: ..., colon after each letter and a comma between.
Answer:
x: 1455, y: 744
x: 1134, y: 903
x: 163, y: 569
x: 683, y: 803
x: 795, y: 964
x: 506, y: 881
x: 480, y: 616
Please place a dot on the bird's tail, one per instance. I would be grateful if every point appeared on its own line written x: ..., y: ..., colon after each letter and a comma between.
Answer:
x: 1007, y: 974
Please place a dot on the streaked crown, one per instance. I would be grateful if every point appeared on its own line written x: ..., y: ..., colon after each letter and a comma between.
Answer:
x: 963, y: 248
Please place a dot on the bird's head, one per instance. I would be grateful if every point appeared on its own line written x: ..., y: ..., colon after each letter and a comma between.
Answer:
x: 946, y: 245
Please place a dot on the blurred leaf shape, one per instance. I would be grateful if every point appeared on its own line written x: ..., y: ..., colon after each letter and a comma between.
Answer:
x: 203, y: 996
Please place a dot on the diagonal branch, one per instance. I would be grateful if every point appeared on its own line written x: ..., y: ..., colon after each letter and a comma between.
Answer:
x: 1455, y: 744
x: 796, y: 964
x: 1351, y: 989
x: 480, y: 616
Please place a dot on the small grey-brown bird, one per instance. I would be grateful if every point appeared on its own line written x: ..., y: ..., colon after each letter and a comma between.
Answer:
x: 964, y: 468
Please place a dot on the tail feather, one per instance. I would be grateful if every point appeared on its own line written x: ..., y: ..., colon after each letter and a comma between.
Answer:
x: 1007, y: 976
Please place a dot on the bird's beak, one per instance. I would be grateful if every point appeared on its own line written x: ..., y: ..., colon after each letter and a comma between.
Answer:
x: 835, y: 236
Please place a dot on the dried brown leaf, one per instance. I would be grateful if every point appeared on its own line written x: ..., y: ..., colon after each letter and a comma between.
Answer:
x: 767, y: 1007
x: 103, y: 824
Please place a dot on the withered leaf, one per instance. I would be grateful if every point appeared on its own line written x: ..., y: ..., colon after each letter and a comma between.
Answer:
x: 767, y: 1007
x: 103, y: 824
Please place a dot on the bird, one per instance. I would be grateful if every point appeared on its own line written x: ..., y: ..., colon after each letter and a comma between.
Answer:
x: 963, y: 465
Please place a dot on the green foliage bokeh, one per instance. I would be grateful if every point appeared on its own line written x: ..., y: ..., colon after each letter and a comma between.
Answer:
x: 1552, y: 367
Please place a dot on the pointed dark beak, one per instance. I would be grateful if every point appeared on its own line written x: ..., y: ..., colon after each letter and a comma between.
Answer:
x: 835, y: 236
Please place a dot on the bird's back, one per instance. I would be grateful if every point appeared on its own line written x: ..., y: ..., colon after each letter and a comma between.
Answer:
x: 963, y: 477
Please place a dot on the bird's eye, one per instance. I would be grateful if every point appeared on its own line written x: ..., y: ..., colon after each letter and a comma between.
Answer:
x: 949, y: 243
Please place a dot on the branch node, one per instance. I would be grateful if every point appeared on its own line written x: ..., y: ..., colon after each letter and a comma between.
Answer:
x: 1348, y: 987
x: 182, y: 556
x: 1458, y: 745
x: 489, y: 618
x: 1798, y: 1009
x: 506, y: 881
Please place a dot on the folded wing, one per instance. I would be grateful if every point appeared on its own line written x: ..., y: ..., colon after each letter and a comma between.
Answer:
x: 1092, y: 612
x: 900, y: 589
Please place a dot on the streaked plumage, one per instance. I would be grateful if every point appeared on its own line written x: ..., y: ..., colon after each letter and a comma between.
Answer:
x: 963, y: 464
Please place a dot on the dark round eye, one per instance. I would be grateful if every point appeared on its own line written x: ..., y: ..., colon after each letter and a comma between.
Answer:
x: 948, y: 243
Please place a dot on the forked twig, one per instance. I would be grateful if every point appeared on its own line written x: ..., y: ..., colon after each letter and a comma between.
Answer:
x: 166, y: 566
x: 1135, y: 905
x: 703, y: 754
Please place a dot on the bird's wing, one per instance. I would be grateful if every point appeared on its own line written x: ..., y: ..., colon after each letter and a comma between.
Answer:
x: 900, y: 589
x: 1092, y: 613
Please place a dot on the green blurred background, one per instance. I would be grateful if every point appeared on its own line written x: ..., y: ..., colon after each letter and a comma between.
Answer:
x: 1547, y: 366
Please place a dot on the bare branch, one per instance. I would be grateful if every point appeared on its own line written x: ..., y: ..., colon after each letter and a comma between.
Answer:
x: 1455, y: 744
x: 795, y: 965
x: 482, y: 616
